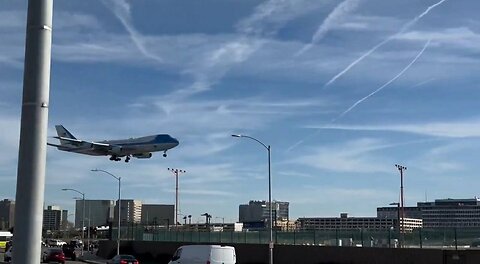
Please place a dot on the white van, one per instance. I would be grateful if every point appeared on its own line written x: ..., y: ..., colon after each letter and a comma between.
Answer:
x: 204, y: 254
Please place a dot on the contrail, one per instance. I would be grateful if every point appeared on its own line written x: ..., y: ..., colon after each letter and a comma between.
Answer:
x: 403, y: 29
x: 121, y: 9
x: 298, y: 143
x: 332, y: 19
x: 386, y: 84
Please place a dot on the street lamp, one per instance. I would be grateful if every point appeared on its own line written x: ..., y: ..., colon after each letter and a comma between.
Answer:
x: 176, y: 172
x: 119, y: 179
x: 270, y: 244
x: 402, y: 202
x: 83, y: 210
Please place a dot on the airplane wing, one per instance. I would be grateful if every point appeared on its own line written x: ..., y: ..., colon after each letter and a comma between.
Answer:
x: 102, y: 148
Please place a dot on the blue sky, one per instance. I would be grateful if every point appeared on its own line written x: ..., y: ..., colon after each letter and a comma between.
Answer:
x: 341, y: 90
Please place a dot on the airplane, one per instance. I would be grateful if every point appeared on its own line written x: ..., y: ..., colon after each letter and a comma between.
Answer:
x: 140, y: 148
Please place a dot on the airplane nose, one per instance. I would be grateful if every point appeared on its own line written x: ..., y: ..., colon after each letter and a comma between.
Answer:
x: 175, y: 141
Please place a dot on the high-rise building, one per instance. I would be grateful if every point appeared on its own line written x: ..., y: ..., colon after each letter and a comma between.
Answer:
x: 259, y: 211
x: 7, y: 213
x: 158, y: 214
x: 131, y: 211
x: 52, y: 218
x: 97, y: 212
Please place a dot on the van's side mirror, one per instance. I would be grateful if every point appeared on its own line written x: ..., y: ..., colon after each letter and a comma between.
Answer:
x: 175, y: 257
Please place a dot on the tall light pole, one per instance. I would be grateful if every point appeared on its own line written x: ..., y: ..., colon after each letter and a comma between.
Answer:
x: 176, y: 172
x: 402, y: 213
x: 398, y: 219
x: 270, y: 244
x: 119, y: 179
x: 32, y: 149
x: 83, y: 210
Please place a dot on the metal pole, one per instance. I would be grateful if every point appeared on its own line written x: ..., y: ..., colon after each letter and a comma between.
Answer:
x: 33, y: 133
x: 270, y: 244
x: 83, y: 220
x: 176, y: 172
x: 399, y: 226
x: 119, y: 219
x: 176, y: 197
x: 402, y: 200
x: 88, y: 230
x: 119, y: 179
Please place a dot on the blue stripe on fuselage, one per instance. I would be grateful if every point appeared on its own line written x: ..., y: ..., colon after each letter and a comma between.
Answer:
x: 157, y: 139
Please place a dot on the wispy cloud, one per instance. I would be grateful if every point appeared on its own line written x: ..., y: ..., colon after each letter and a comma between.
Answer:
x: 334, y: 18
x: 386, y: 84
x: 264, y: 22
x: 429, y: 80
x: 454, y: 129
x: 390, y: 38
x: 354, y: 156
x: 121, y: 9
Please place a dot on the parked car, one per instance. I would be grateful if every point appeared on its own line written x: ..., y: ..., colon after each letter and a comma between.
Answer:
x: 201, y: 254
x: 123, y: 259
x: 53, y: 254
x: 7, y: 257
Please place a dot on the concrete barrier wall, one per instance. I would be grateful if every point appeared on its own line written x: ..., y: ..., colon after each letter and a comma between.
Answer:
x: 288, y: 254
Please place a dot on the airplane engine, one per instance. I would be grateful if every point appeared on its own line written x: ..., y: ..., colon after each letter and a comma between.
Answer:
x: 117, y: 150
x: 143, y: 155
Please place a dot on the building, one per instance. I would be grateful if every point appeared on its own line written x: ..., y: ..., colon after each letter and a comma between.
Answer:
x: 393, y: 212
x: 259, y: 212
x: 158, y: 214
x: 442, y: 213
x: 355, y: 223
x: 52, y: 218
x: 131, y: 211
x: 97, y: 212
x: 7, y: 214
x: 448, y: 213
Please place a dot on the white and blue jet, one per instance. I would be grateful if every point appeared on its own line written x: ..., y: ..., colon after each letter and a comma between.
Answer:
x: 140, y: 148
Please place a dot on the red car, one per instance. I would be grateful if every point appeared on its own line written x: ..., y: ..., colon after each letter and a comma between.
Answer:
x: 54, y: 255
x: 123, y: 259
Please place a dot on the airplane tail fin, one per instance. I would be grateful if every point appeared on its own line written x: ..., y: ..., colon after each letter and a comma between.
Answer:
x: 63, y: 132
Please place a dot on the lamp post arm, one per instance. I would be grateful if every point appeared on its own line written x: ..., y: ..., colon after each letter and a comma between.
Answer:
x: 260, y: 142
x: 104, y: 171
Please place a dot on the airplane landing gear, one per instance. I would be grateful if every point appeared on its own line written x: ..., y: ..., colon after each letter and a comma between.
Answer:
x: 165, y: 154
x: 127, y: 159
x: 115, y: 158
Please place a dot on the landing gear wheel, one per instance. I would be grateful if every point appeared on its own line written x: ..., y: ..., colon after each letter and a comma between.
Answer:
x: 127, y: 159
x: 164, y: 155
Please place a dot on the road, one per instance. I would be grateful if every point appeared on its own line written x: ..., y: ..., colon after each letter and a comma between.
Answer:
x: 67, y: 262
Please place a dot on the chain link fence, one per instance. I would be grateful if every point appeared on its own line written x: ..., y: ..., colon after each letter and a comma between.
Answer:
x: 419, y: 238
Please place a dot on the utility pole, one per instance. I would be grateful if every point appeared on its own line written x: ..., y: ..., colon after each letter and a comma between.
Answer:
x: 33, y: 133
x: 176, y: 172
x: 402, y: 203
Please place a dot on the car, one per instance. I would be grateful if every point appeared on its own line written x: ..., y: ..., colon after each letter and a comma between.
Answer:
x: 55, y: 243
x: 53, y: 254
x: 123, y: 259
x: 69, y: 252
x: 200, y: 254
x: 7, y: 257
x: 76, y: 243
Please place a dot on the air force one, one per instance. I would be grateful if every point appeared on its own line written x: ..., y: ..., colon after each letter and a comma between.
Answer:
x: 140, y: 148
